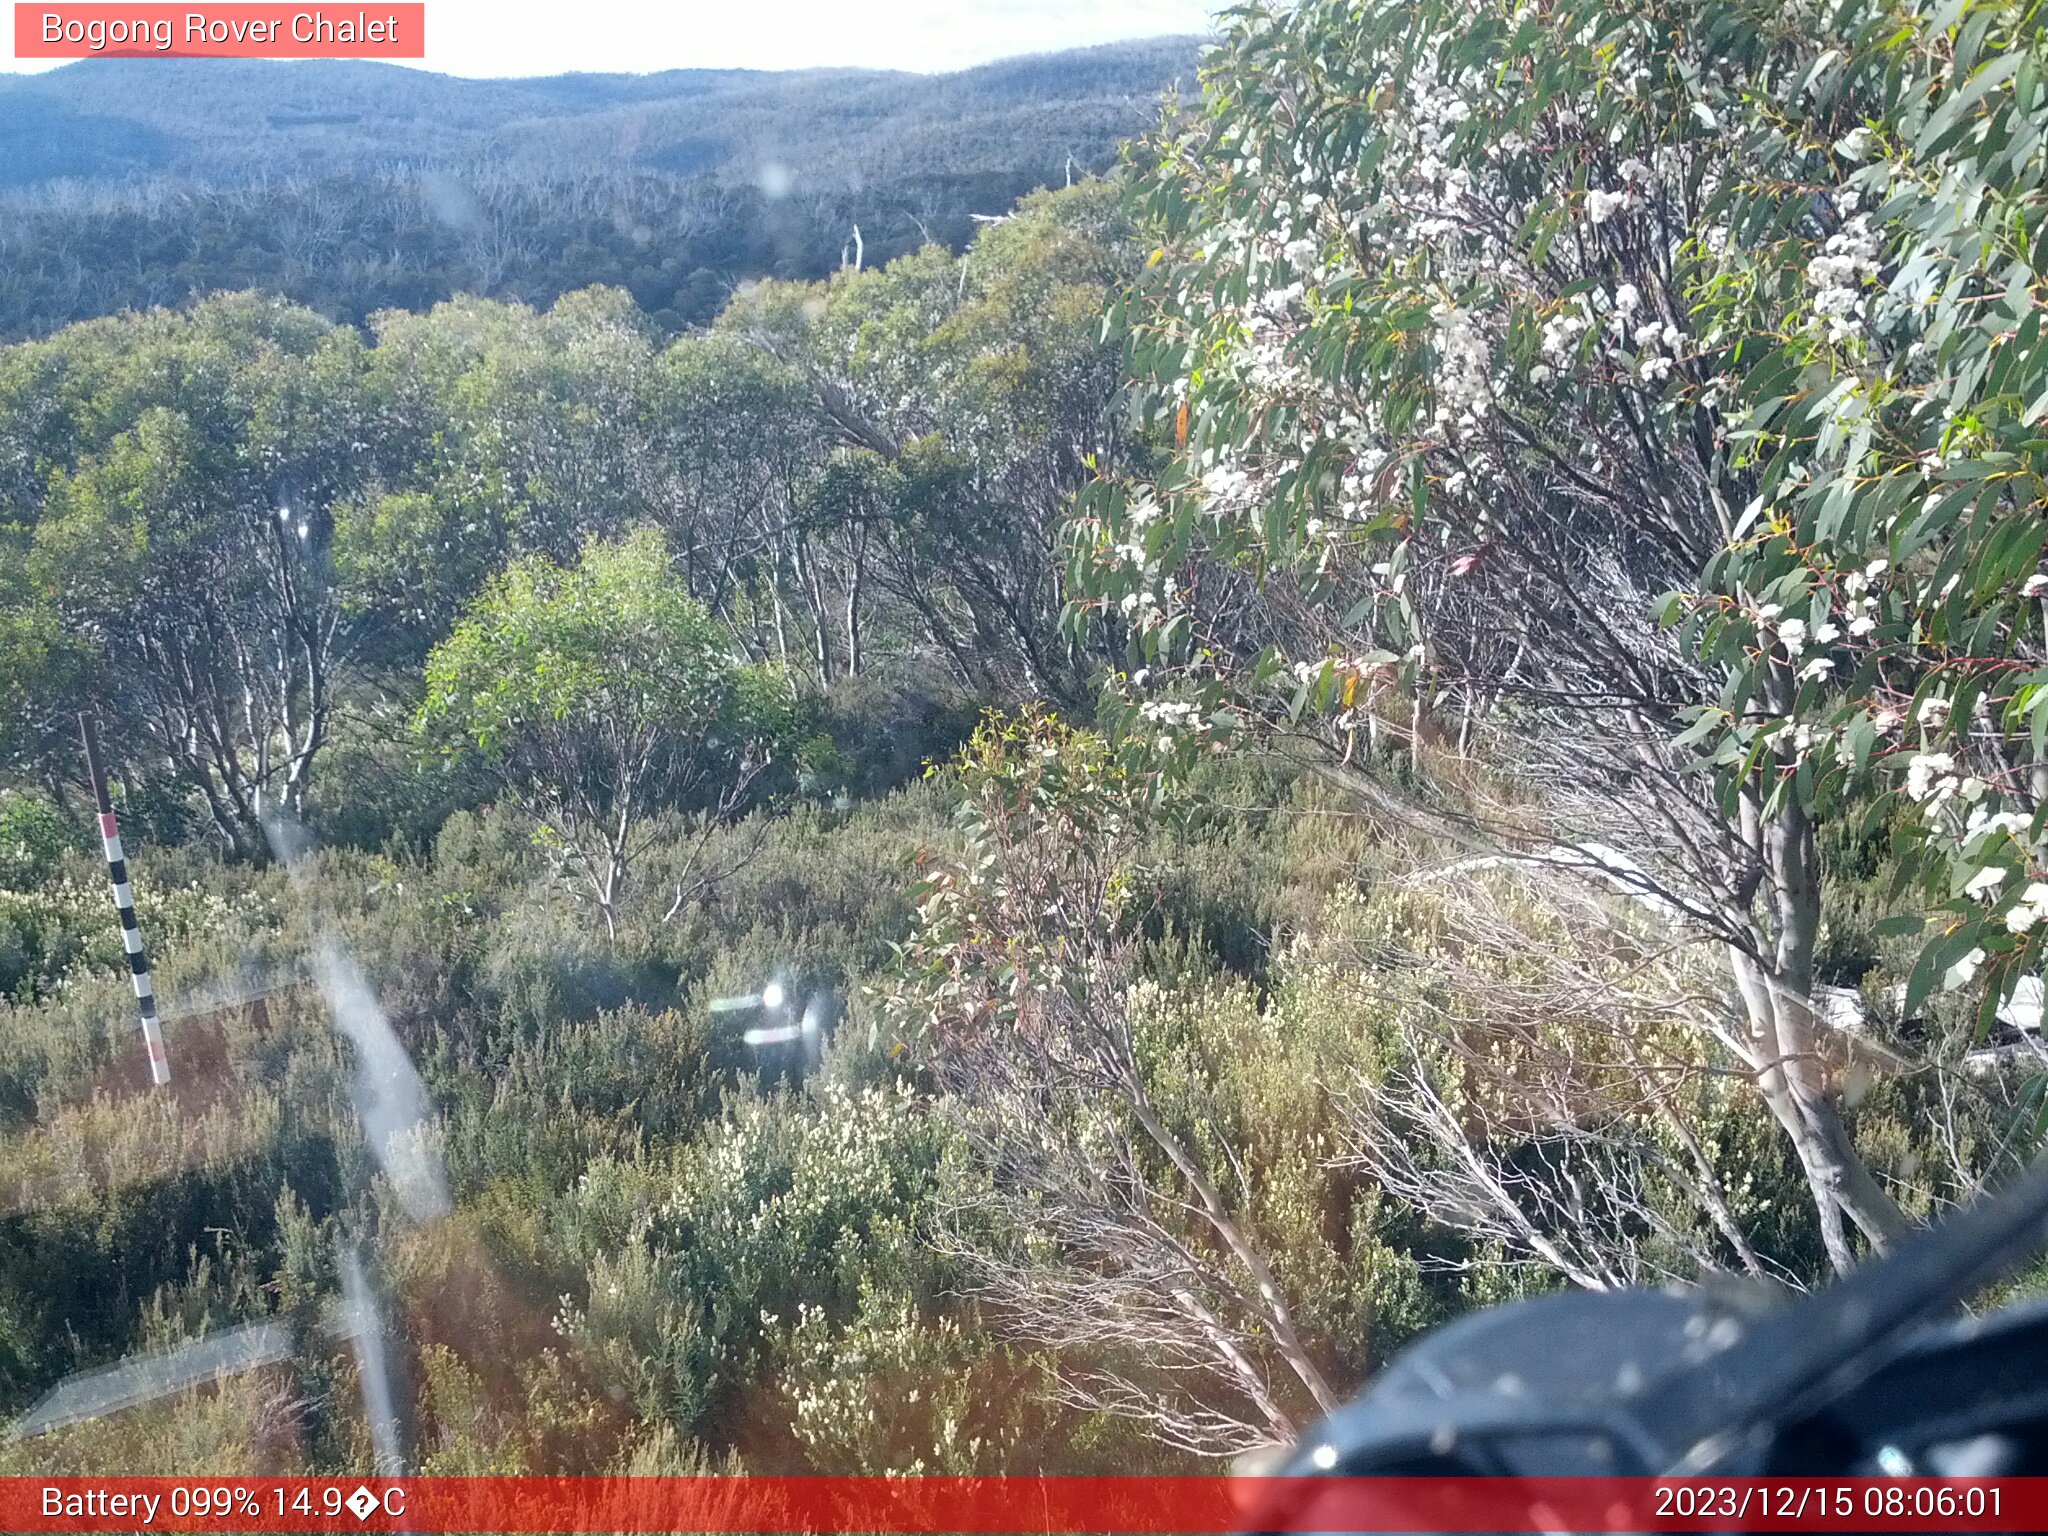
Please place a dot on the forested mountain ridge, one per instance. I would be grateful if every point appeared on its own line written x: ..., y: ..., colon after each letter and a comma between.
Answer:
x: 216, y: 120
x: 353, y: 187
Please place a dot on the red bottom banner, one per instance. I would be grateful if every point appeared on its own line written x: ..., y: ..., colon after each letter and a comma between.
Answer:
x: 984, y: 1506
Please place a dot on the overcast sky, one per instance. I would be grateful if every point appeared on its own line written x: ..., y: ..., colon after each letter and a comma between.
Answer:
x: 547, y: 37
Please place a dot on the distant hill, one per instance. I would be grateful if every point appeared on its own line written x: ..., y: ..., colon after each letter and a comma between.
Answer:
x: 218, y: 121
x: 353, y: 187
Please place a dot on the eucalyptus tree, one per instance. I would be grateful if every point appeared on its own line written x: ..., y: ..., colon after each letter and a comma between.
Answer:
x: 169, y: 522
x: 736, y: 443
x: 965, y: 400
x: 1650, y: 384
x: 598, y: 694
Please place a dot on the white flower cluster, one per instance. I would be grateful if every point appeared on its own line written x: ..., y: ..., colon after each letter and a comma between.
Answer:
x: 1561, y: 337
x: 1277, y: 303
x: 1798, y: 738
x: 1361, y: 667
x: 1433, y: 110
x: 1356, y: 491
x: 1228, y: 487
x: 1168, y: 716
x: 1933, y: 780
x: 1603, y: 204
x: 1658, y: 345
x: 1985, y: 823
x: 2031, y: 909
x: 1984, y: 828
x: 1927, y: 772
x: 1143, y: 606
x: 1964, y: 971
x: 1132, y: 553
x: 856, y: 1142
x: 1861, y: 607
x: 1464, y: 382
x: 1270, y: 319
x: 1175, y: 713
x: 1839, y: 274
x: 1264, y: 359
x: 1983, y: 885
x: 1793, y: 636
x: 1302, y: 254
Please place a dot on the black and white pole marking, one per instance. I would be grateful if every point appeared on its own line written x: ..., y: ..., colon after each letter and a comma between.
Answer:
x: 124, y: 903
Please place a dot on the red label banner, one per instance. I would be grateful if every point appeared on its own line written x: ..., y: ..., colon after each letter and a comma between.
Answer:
x: 228, y: 31
x: 1057, y: 1506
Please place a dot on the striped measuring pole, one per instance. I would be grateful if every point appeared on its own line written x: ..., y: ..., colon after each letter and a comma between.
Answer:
x: 124, y: 903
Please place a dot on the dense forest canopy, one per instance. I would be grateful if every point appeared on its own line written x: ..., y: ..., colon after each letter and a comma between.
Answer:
x: 241, y: 511
x: 352, y: 187
x: 1031, y: 853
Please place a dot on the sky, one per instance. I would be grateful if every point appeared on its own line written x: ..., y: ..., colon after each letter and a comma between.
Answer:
x: 548, y: 37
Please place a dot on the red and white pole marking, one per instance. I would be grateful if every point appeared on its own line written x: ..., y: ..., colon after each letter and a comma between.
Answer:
x: 124, y: 903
